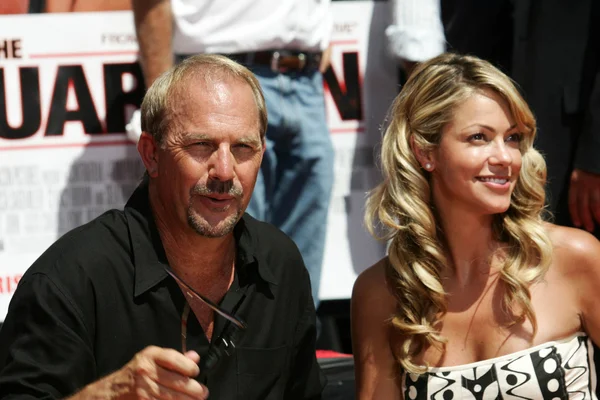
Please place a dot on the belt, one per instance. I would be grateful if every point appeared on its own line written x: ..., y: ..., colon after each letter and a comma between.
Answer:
x: 280, y: 60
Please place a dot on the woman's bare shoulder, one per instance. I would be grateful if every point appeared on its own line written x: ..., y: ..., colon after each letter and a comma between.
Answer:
x: 576, y: 242
x: 574, y: 250
x: 376, y: 271
x: 372, y: 284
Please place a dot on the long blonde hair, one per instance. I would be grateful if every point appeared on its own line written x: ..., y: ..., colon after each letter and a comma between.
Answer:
x: 399, y: 210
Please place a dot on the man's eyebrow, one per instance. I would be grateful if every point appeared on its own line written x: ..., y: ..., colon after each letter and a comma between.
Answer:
x: 250, y: 140
x: 195, y: 136
x: 198, y: 136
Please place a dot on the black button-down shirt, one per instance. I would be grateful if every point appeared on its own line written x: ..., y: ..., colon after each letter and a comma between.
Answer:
x: 100, y: 294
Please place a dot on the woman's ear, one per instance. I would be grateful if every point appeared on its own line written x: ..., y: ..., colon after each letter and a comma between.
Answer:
x: 423, y: 157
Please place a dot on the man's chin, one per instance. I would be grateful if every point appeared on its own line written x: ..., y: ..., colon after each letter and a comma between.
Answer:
x: 213, y: 228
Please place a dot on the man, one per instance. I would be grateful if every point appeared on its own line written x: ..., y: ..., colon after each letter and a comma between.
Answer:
x: 98, y: 315
x: 283, y: 43
x: 483, y: 29
x: 557, y: 63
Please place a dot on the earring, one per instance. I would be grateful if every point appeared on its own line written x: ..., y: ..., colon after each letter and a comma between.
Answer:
x: 428, y: 166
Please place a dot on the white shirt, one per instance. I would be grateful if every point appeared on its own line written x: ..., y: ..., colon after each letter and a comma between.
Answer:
x: 417, y: 33
x: 235, y: 26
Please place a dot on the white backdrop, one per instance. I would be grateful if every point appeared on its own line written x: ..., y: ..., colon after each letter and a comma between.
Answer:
x: 62, y: 163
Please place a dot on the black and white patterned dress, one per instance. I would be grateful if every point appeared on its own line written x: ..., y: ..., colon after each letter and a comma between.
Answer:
x: 562, y: 369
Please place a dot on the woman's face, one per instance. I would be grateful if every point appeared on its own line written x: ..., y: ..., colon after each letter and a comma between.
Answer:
x: 477, y: 163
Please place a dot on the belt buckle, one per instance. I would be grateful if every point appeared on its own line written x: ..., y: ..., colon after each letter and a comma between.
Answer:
x: 302, y: 61
x: 275, y: 61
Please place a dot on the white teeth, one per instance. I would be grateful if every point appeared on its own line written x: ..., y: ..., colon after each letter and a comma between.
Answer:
x: 494, y: 180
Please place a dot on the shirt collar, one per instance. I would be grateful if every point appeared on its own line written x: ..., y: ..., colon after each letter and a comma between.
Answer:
x: 149, y: 257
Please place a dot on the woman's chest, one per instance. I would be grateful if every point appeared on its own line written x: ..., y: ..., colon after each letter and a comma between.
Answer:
x: 486, y: 329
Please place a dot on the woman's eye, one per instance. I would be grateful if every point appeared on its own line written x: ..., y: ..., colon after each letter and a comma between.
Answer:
x: 477, y: 137
x: 515, y: 137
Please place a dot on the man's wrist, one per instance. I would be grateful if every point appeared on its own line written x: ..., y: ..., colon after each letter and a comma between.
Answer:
x: 116, y: 386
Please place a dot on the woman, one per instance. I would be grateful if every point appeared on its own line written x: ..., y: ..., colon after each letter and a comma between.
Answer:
x: 478, y: 297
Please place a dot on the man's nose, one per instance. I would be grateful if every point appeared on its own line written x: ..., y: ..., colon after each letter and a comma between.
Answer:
x: 221, y: 167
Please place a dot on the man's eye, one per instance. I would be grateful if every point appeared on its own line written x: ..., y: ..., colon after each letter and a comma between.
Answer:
x: 202, y: 146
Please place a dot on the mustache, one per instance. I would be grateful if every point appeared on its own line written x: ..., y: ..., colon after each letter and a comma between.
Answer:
x: 218, y: 187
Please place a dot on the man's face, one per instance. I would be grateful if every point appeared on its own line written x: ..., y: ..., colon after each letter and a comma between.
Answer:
x: 210, y: 158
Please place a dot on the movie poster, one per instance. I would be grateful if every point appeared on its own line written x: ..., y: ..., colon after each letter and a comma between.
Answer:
x: 69, y: 82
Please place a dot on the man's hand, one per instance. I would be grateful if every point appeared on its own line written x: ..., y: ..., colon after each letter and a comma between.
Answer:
x: 584, y: 199
x: 153, y: 373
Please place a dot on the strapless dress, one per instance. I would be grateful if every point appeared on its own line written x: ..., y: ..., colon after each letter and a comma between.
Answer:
x: 562, y: 369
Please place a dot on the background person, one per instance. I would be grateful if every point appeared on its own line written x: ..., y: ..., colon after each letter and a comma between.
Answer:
x: 564, y: 94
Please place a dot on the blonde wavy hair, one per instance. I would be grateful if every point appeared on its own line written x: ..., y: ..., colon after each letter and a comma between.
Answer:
x: 400, y: 210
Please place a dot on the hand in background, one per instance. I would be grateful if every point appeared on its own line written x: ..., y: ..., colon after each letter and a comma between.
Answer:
x: 325, y: 60
x: 584, y: 199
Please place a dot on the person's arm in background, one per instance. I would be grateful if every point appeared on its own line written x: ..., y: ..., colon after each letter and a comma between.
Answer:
x: 376, y: 372
x: 584, y: 189
x: 416, y: 33
x: 325, y: 60
x: 58, y: 6
x: 14, y: 7
x: 154, y: 29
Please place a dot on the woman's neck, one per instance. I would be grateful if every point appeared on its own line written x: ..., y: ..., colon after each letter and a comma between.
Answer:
x: 472, y: 248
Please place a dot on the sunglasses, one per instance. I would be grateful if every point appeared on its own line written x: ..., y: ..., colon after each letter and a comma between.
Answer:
x: 224, y: 345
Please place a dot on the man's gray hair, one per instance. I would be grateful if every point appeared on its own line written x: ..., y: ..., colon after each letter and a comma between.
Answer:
x: 157, y: 112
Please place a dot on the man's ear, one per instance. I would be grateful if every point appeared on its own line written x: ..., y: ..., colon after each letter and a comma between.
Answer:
x: 149, y: 152
x: 425, y: 158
